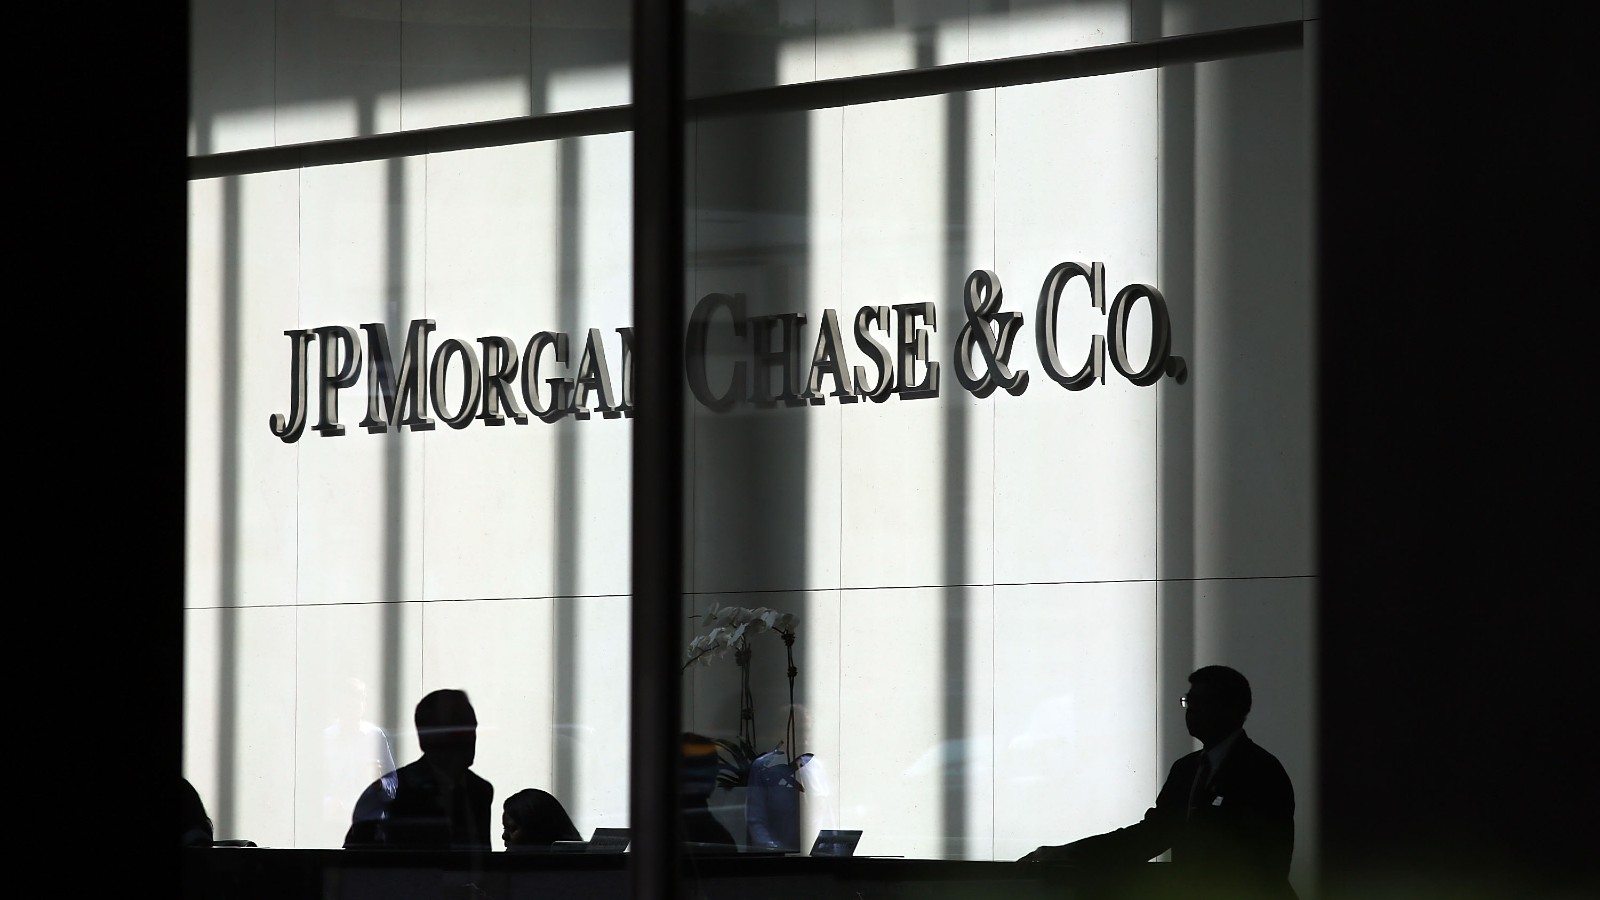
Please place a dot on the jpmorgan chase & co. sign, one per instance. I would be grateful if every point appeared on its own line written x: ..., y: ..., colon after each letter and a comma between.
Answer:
x: 499, y: 385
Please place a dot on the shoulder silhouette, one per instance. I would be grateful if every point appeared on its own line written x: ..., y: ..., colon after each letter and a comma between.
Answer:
x: 534, y: 818
x: 437, y: 802
x: 1226, y: 811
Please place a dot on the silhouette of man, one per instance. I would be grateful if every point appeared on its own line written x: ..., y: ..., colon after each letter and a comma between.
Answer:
x: 1226, y: 810
x: 194, y: 823
x: 436, y: 802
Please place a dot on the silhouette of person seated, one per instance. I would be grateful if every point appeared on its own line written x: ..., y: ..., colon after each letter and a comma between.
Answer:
x: 195, y: 824
x: 533, y: 818
x: 1226, y: 811
x: 436, y: 802
x: 699, y: 780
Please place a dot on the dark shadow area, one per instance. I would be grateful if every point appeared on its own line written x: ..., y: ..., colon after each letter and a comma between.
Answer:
x: 105, y: 242
x: 752, y: 212
x: 1454, y: 619
x: 222, y: 32
x: 1254, y: 307
x: 323, y: 53
x: 658, y: 553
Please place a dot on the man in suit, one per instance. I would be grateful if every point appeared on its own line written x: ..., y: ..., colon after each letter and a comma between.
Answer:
x: 1226, y: 811
x: 437, y: 802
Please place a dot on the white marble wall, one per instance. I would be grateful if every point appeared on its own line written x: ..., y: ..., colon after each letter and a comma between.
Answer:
x: 1000, y: 597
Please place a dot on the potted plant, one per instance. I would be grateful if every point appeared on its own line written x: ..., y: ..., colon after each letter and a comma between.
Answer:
x: 772, y: 808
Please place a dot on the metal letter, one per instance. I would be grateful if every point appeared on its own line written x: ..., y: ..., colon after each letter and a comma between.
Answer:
x: 1044, y: 324
x: 982, y: 297
x: 694, y: 351
x: 828, y: 359
x: 627, y: 370
x: 334, y: 376
x: 786, y: 356
x: 499, y: 367
x: 883, y: 388
x: 470, y: 385
x: 912, y: 347
x: 382, y: 382
x: 560, y: 388
x: 289, y: 429
x: 594, y: 375
x: 1160, y: 334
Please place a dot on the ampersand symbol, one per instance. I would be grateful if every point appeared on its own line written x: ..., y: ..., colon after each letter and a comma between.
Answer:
x: 981, y: 297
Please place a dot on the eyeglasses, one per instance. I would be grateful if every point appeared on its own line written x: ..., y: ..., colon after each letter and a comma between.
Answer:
x: 1183, y: 701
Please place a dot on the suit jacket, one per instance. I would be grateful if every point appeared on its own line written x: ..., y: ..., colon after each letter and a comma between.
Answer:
x: 407, y: 808
x: 1238, y: 837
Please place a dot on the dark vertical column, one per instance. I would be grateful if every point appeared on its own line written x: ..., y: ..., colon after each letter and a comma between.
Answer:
x: 754, y: 168
x: 100, y: 508
x: 658, y: 258
x: 1456, y: 619
x: 157, y: 99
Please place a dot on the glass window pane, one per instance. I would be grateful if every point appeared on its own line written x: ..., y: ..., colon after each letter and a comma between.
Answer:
x: 1005, y: 395
x: 410, y: 470
x: 997, y: 402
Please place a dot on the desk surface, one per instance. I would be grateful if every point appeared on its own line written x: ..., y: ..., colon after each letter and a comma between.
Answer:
x: 250, y: 873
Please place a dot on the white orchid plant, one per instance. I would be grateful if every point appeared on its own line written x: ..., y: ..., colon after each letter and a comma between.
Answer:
x: 729, y: 629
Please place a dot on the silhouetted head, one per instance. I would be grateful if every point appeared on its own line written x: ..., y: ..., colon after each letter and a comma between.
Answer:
x: 447, y: 729
x: 1217, y: 703
x: 533, y: 818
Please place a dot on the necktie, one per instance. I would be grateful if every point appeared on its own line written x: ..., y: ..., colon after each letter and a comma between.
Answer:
x: 1202, y: 777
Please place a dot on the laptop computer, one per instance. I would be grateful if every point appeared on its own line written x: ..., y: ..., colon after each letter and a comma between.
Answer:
x: 835, y: 842
x: 608, y: 840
